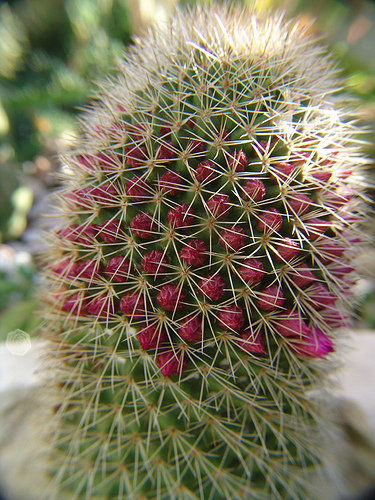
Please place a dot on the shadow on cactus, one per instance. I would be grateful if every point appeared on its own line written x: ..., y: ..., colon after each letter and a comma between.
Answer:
x: 203, y: 269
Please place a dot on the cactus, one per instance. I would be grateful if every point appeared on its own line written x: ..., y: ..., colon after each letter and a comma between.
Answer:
x: 199, y: 282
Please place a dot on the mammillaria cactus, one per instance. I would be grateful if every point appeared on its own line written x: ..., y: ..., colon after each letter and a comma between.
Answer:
x: 196, y: 289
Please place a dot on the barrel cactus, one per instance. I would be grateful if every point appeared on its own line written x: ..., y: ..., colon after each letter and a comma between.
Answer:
x: 196, y: 288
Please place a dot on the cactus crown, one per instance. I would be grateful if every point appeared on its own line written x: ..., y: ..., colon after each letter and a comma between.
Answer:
x: 210, y: 210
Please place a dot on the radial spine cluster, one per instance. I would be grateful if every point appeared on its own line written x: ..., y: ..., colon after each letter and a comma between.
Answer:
x: 211, y: 211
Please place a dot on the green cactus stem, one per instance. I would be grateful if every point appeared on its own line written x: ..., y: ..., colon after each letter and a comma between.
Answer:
x: 201, y: 275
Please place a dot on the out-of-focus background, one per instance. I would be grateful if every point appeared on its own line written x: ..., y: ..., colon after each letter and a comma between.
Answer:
x: 50, y: 52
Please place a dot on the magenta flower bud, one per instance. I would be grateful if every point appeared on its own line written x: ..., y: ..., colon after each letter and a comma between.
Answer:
x: 101, y: 306
x: 319, y: 296
x: 90, y: 269
x: 118, y: 269
x: 334, y: 318
x: 231, y: 318
x: 338, y: 198
x: 269, y: 220
x: 302, y: 276
x: 205, y: 171
x: 219, y: 205
x: 196, y: 147
x: 270, y: 298
x: 281, y: 171
x: 135, y: 156
x: 286, y: 249
x: 194, y: 253
x: 316, y: 345
x: 108, y: 162
x: 251, y: 342
x: 212, y: 286
x: 171, y: 363
x: 252, y: 271
x: 137, y: 189
x: 132, y: 304
x: 76, y: 304
x: 152, y: 336
x: 339, y: 270
x: 238, y: 162
x: 165, y: 131
x: 322, y: 176
x: 254, y: 190
x: 300, y: 203
x: 166, y: 151
x: 191, y: 328
x: 170, y: 297
x: 315, y: 227
x: 180, y: 216
x: 66, y: 268
x: 328, y: 250
x: 87, y: 162
x: 142, y: 225
x: 233, y: 238
x: 170, y: 183
x: 155, y: 262
x: 109, y: 231
x: 291, y: 324
x: 106, y: 195
x: 79, y: 198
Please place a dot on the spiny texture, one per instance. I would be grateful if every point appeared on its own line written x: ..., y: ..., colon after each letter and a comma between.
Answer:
x: 211, y: 212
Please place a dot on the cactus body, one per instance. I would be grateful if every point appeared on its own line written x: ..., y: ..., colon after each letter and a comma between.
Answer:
x: 211, y: 211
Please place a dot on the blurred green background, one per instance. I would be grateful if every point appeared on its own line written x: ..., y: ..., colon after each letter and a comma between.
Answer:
x: 51, y: 51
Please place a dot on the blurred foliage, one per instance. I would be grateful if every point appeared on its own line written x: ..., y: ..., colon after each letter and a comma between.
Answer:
x: 51, y: 50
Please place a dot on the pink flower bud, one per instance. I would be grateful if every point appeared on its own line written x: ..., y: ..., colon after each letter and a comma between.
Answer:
x: 319, y: 296
x: 315, y: 227
x: 254, y: 190
x: 166, y: 151
x: 118, y: 269
x: 291, y: 324
x: 105, y: 195
x: 337, y: 199
x: 76, y: 304
x: 171, y: 363
x: 83, y: 235
x: 233, y: 238
x: 155, y: 262
x: 108, y: 162
x: 109, y: 231
x: 194, y: 253
x: 165, y: 131
x: 281, y: 171
x: 328, y: 250
x: 135, y: 156
x: 170, y: 297
x: 152, y: 336
x: 191, y: 328
x: 90, y: 269
x: 132, y: 304
x: 142, y: 225
x: 180, y: 216
x: 269, y: 220
x: 231, y: 318
x: 300, y: 203
x: 205, y: 171
x: 238, y: 162
x: 101, y: 306
x: 302, y: 276
x: 316, y: 345
x: 251, y: 342
x: 219, y: 205
x: 322, y: 176
x: 270, y: 298
x: 334, y: 318
x: 196, y: 147
x: 252, y: 271
x: 137, y: 189
x: 170, y: 183
x: 286, y: 249
x: 66, y: 268
x: 212, y: 286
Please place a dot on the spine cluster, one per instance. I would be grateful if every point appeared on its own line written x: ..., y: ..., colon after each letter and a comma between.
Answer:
x: 211, y: 216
